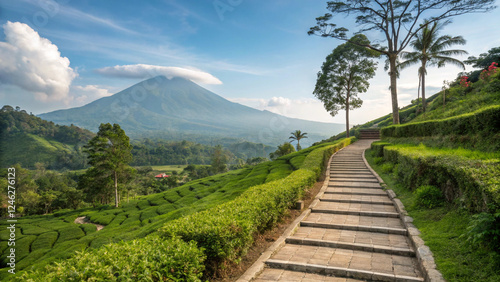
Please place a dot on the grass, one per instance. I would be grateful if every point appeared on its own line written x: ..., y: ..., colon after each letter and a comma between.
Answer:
x: 51, y: 237
x: 442, y: 230
x: 29, y: 149
x: 168, y: 168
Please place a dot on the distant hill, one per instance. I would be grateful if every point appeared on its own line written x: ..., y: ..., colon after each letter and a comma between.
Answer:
x: 27, y: 139
x: 180, y: 109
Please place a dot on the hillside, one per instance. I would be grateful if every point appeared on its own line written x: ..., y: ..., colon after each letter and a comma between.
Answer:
x: 180, y: 109
x: 27, y: 139
x: 444, y: 165
x: 45, y: 239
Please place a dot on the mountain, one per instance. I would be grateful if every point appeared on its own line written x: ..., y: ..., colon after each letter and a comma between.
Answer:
x: 180, y: 109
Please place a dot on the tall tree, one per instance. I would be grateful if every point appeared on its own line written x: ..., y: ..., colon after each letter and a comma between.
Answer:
x: 298, y: 135
x: 431, y: 50
x: 219, y: 160
x: 109, y: 155
x: 283, y: 149
x: 398, y: 21
x: 344, y: 75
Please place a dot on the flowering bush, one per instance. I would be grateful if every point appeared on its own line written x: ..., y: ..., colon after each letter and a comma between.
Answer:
x: 464, y: 81
x: 485, y: 74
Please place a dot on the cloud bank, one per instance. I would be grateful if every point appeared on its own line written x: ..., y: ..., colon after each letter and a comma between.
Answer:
x: 146, y: 71
x: 34, y: 64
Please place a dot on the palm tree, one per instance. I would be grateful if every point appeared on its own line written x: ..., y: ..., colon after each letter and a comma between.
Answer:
x: 431, y: 50
x: 297, y: 135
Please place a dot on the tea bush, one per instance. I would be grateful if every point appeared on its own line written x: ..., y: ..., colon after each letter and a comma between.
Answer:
x: 429, y: 197
x: 149, y: 259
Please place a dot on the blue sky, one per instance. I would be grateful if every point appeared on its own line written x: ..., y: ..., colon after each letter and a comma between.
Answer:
x: 255, y: 52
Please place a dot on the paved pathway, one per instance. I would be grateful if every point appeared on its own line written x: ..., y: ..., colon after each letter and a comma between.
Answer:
x: 353, y: 233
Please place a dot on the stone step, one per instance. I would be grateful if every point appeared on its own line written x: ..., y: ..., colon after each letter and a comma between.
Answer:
x: 282, y: 275
x: 354, y: 184
x: 350, y: 170
x: 354, y: 179
x: 386, y: 203
x: 362, y: 213
x: 352, y: 246
x: 365, y: 207
x: 351, y: 177
x: 337, y: 272
x: 355, y: 191
x: 350, y: 227
x: 366, y: 237
x: 366, y: 198
x: 348, y: 260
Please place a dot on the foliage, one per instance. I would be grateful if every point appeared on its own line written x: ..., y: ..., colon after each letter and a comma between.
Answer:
x: 443, y: 229
x: 484, y: 121
x: 148, y: 259
x: 109, y: 155
x: 296, y: 136
x: 226, y: 231
x: 141, y: 216
x: 428, y: 196
x: 344, y: 75
x: 431, y: 49
x: 467, y: 178
x: 483, y: 62
x: 219, y: 160
x: 283, y: 149
x: 398, y: 21
x: 484, y: 229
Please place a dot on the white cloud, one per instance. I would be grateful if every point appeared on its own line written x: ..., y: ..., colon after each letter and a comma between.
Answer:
x: 146, y: 71
x: 34, y: 64
x: 86, y: 94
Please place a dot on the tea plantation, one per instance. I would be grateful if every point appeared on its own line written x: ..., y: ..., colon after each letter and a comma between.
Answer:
x: 42, y: 240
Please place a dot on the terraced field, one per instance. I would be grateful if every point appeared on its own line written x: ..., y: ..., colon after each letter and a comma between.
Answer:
x: 43, y: 239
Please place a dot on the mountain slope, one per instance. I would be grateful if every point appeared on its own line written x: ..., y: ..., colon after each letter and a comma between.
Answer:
x: 161, y: 106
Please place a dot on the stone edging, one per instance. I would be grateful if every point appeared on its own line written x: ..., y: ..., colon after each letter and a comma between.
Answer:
x: 424, y: 254
x: 259, y: 265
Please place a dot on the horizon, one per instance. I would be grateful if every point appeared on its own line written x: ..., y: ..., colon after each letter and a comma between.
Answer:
x: 244, y: 54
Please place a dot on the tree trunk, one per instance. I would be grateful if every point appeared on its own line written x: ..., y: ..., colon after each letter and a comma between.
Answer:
x: 394, y: 88
x: 347, y: 114
x: 116, y: 189
x: 423, y: 85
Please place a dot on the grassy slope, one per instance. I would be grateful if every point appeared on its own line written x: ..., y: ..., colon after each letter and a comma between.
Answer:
x: 443, y: 228
x: 29, y: 149
x: 43, y: 239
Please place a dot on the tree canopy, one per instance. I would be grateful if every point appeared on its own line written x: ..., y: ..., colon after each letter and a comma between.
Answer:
x: 109, y: 155
x: 398, y: 21
x: 344, y: 75
x: 297, y: 135
x: 432, y: 49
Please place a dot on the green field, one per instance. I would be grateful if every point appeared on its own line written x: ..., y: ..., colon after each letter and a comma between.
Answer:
x: 44, y: 239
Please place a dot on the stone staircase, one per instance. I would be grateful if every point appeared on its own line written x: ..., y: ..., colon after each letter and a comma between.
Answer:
x: 369, y: 133
x: 352, y: 232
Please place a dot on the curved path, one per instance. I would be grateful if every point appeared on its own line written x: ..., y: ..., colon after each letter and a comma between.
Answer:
x: 353, y: 231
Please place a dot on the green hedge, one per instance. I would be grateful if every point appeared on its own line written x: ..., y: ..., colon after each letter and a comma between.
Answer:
x: 485, y: 121
x: 471, y: 183
x: 226, y: 231
x: 148, y: 259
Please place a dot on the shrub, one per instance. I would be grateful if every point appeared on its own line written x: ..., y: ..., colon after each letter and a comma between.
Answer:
x: 484, y: 229
x: 428, y: 196
x: 486, y: 121
x: 462, y: 177
x: 147, y: 259
x: 387, y: 167
x: 44, y: 241
x: 226, y: 231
